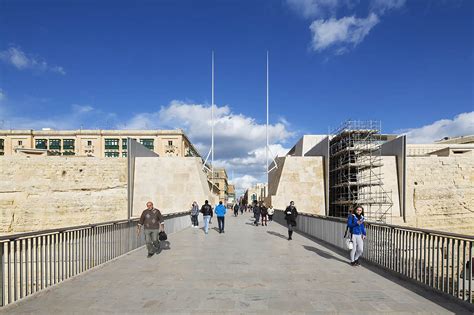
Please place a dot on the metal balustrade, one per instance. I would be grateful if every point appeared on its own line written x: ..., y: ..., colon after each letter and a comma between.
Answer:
x: 440, y: 260
x: 31, y: 262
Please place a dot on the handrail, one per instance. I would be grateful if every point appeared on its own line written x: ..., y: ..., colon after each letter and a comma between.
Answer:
x: 13, y: 237
x: 393, y: 226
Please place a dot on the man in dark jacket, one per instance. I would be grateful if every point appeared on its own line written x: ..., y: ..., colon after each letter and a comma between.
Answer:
x: 153, y: 222
x: 236, y: 209
x: 256, y: 212
x: 290, y: 217
x: 206, y: 211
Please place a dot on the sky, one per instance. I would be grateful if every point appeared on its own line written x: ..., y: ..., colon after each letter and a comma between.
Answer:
x: 147, y: 65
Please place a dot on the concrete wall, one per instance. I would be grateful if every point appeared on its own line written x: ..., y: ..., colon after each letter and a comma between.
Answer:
x: 51, y: 192
x: 440, y: 193
x: 300, y: 179
x: 171, y: 183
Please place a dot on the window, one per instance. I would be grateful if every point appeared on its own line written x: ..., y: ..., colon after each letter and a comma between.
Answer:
x: 111, y: 154
x: 2, y: 144
x: 89, y: 142
x: 170, y: 142
x: 68, y: 144
x: 20, y: 142
x: 41, y: 144
x: 124, y: 154
x: 111, y: 144
x: 148, y: 143
x: 69, y: 153
x: 124, y: 144
x: 55, y: 144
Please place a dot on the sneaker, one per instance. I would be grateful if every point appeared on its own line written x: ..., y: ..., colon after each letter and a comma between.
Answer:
x: 149, y: 255
x: 357, y: 263
x: 353, y: 263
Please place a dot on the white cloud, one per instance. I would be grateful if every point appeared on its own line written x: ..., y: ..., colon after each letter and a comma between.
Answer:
x: 244, y: 182
x: 239, y: 139
x: 381, y: 6
x: 3, y: 96
x: 313, y: 8
x: 460, y: 125
x: 343, y: 33
x: 82, y: 109
x: 20, y: 60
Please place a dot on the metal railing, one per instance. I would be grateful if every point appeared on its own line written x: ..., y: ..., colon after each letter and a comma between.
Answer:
x: 440, y: 260
x: 31, y: 262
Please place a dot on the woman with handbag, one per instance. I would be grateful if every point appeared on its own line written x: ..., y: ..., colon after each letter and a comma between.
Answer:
x: 290, y: 217
x: 358, y: 234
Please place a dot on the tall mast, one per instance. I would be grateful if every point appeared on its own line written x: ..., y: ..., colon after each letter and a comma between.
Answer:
x: 212, y: 124
x: 266, y: 128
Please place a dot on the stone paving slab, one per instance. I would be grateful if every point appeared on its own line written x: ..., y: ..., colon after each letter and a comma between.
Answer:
x: 247, y: 270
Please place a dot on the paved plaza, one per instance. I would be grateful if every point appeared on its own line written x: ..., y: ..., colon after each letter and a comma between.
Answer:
x: 246, y: 270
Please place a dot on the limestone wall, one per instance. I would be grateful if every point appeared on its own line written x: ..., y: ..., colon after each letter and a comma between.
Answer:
x: 300, y: 179
x: 171, y: 183
x: 40, y: 193
x: 440, y: 193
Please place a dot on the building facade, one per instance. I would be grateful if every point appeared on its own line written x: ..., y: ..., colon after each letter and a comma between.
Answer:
x: 98, y: 143
x: 220, y: 181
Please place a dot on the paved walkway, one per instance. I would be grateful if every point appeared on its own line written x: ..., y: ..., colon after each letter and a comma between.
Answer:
x: 246, y: 270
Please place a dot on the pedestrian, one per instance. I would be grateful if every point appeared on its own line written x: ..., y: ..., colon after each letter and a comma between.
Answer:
x: 242, y: 207
x: 220, y: 214
x: 256, y: 212
x: 263, y: 213
x: 357, y: 228
x: 290, y: 216
x: 195, y: 214
x: 153, y: 223
x: 270, y: 213
x: 236, y: 210
x: 206, y: 211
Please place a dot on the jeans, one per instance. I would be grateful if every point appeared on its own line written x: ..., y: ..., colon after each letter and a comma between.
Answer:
x: 358, y: 248
x: 257, y: 218
x: 194, y: 220
x: 207, y: 218
x: 220, y: 222
x: 270, y: 217
x: 264, y: 218
x: 152, y: 240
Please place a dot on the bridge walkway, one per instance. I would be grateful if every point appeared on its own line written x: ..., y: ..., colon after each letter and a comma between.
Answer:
x: 247, y: 270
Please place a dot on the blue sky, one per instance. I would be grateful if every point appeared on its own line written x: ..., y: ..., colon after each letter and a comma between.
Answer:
x: 146, y: 64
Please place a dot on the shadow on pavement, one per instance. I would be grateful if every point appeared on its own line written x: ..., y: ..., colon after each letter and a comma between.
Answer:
x: 324, y: 254
x: 277, y: 234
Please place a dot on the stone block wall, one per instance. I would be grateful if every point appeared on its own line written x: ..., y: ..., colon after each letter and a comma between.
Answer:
x: 440, y: 193
x: 40, y: 193
x: 300, y: 179
x: 172, y: 184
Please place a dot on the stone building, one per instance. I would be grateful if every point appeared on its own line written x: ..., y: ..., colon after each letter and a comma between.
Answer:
x: 221, y: 183
x: 420, y: 185
x: 258, y: 192
x: 97, y: 143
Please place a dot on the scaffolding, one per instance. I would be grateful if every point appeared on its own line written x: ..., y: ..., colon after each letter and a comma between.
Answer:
x: 355, y: 171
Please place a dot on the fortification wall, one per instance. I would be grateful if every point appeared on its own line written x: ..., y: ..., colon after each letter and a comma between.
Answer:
x: 172, y: 184
x: 40, y: 193
x: 301, y: 180
x: 440, y: 193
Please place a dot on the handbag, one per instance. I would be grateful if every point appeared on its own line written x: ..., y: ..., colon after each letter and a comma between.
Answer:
x: 162, y: 236
x: 349, y: 244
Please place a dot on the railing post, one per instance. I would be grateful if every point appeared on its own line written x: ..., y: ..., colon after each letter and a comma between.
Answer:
x: 2, y: 278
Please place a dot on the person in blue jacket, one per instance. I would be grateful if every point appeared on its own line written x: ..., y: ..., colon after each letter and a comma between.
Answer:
x: 220, y: 213
x: 356, y: 226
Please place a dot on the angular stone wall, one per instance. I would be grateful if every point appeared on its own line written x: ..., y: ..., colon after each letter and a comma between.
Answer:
x: 440, y: 193
x: 172, y: 184
x: 40, y: 193
x: 300, y: 179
